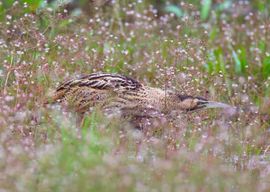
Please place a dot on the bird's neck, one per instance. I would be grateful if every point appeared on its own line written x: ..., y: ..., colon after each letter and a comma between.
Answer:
x: 158, y: 99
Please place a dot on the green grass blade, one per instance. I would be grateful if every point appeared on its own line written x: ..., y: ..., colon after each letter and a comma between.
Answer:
x: 205, y: 9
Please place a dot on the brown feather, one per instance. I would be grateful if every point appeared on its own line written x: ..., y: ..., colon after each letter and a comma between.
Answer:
x: 111, y: 91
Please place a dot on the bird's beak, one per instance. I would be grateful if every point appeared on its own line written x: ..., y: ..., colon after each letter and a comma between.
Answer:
x: 203, y: 103
x: 212, y: 104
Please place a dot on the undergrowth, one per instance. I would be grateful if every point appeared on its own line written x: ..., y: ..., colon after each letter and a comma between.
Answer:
x: 211, y: 49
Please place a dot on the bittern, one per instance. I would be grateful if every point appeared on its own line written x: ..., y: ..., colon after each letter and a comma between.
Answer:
x: 114, y: 92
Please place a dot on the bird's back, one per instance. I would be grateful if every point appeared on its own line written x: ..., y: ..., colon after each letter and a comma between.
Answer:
x: 97, y: 88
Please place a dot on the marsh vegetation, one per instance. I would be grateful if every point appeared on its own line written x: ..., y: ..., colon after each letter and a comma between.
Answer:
x: 215, y: 49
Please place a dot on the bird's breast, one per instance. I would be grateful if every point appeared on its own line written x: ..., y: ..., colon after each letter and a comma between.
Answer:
x: 155, y: 98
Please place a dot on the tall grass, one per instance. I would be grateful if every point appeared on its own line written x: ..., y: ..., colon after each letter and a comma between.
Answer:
x: 214, y: 50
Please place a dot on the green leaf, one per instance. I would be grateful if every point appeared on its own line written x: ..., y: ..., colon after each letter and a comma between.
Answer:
x: 33, y: 4
x: 208, y: 66
x: 237, y: 66
x: 175, y: 10
x: 219, y: 61
x: 262, y: 46
x: 240, y: 60
x: 7, y: 3
x: 266, y: 67
x: 205, y: 9
x: 213, y: 34
x: 224, y: 6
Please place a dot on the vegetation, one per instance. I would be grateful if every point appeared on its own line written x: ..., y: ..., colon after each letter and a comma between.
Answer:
x: 214, y: 49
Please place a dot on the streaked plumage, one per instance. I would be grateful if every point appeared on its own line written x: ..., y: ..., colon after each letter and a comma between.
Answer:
x: 114, y: 91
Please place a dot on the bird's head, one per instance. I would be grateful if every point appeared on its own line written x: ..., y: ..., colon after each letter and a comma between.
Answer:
x: 191, y: 103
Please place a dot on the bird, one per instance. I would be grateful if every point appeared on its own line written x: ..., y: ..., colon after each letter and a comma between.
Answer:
x: 116, y: 92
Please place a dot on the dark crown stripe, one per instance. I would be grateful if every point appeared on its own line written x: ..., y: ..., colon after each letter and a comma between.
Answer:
x: 184, y: 97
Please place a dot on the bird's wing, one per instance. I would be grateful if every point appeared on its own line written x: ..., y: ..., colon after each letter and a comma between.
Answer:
x: 99, y: 81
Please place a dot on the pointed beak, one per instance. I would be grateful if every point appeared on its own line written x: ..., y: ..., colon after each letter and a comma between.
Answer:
x: 203, y: 103
x: 213, y: 104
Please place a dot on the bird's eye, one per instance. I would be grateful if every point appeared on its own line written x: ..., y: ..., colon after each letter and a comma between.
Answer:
x: 184, y: 97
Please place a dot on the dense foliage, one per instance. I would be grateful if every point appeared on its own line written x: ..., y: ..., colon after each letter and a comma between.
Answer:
x: 216, y: 49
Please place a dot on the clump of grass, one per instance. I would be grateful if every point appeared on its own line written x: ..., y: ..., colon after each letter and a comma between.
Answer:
x: 219, y: 53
